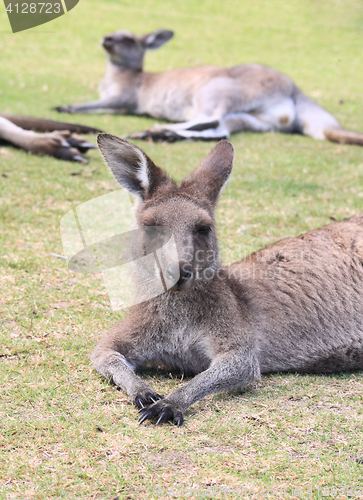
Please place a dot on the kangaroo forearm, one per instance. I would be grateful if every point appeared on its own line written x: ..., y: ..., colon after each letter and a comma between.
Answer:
x: 98, y: 106
x: 228, y: 373
x: 116, y: 105
x: 231, y: 374
x: 45, y: 125
x: 15, y: 135
x: 114, y: 366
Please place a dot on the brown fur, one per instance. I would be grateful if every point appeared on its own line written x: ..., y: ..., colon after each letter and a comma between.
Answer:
x: 344, y: 136
x: 56, y: 138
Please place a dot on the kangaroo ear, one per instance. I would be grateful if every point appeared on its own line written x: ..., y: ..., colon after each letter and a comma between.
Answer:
x: 209, y: 179
x: 131, y: 167
x: 157, y: 39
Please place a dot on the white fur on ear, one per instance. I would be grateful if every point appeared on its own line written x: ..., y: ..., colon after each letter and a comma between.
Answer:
x: 224, y: 186
x: 150, y: 39
x: 142, y: 173
x: 157, y: 38
x: 129, y: 165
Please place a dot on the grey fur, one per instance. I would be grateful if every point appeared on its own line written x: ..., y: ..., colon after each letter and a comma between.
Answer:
x: 206, y: 102
x: 293, y: 306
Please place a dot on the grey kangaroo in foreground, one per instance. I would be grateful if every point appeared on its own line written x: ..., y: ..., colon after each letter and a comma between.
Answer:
x: 295, y: 306
x: 209, y: 102
x: 46, y: 137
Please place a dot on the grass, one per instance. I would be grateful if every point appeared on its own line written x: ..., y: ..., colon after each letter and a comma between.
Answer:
x: 66, y: 433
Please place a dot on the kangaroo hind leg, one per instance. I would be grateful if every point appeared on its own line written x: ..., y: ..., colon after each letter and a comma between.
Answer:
x: 204, y: 128
x: 315, y: 121
x: 194, y: 130
x: 312, y: 119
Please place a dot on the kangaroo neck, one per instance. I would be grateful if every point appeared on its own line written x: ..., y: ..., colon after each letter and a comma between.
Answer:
x: 123, y: 83
x: 115, y: 70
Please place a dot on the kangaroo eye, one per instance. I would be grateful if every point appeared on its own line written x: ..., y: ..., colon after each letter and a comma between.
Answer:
x: 203, y: 230
x: 152, y: 231
x: 108, y: 39
x: 128, y: 42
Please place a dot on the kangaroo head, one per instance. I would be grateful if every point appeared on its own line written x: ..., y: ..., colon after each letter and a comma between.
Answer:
x: 185, y: 211
x: 127, y: 50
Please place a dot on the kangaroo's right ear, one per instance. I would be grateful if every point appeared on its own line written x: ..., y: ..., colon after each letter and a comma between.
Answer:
x: 131, y: 167
x: 157, y: 39
x: 209, y: 179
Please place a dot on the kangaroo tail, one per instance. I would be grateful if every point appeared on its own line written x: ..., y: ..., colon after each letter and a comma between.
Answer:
x: 343, y: 136
x: 42, y: 125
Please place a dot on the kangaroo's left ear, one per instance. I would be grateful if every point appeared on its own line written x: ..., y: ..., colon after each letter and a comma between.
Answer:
x: 131, y: 167
x: 157, y: 39
x: 209, y: 179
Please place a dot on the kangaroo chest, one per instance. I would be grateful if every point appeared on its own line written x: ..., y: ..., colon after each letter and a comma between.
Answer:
x: 181, y: 347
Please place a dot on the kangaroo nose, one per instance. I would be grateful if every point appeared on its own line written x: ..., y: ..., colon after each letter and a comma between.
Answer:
x: 185, y: 280
x: 181, y: 277
x: 184, y: 276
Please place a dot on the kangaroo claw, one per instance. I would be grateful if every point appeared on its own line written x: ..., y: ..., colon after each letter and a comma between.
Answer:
x: 79, y: 143
x: 178, y: 419
x: 165, y: 415
x: 64, y: 109
x: 163, y: 411
x: 146, y: 399
x: 142, y: 418
x: 81, y: 159
x: 69, y: 154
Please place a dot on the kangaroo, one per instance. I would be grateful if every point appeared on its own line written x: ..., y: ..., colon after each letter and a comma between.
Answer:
x: 55, y: 139
x: 295, y: 306
x: 207, y: 102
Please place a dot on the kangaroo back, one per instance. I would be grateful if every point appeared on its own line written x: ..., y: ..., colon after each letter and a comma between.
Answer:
x: 306, y: 294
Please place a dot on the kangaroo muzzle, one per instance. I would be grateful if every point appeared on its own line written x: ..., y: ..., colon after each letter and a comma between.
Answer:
x: 184, y: 276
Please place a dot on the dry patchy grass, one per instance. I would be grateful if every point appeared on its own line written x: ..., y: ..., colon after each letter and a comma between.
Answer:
x: 66, y: 433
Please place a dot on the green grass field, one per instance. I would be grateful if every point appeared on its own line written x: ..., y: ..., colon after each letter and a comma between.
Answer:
x: 289, y: 436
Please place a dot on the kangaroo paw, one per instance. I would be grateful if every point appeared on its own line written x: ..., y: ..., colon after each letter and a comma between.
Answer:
x: 65, y: 109
x: 146, y: 398
x: 70, y: 154
x: 164, y: 411
x: 156, y: 134
x: 62, y: 145
x: 79, y: 143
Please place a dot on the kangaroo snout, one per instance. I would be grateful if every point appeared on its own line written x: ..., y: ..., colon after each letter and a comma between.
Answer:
x: 106, y: 42
x: 185, y: 280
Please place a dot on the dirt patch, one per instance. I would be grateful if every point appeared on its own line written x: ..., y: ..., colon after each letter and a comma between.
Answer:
x: 216, y: 450
x: 171, y: 460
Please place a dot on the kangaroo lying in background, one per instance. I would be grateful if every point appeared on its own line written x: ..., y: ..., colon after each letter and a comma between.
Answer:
x: 295, y: 306
x: 55, y: 139
x: 209, y: 102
